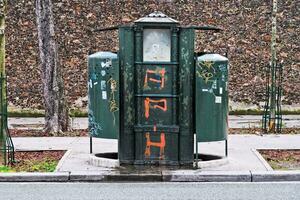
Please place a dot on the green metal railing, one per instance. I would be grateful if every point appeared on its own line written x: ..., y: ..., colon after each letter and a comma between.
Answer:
x: 7, y: 146
x: 276, y: 92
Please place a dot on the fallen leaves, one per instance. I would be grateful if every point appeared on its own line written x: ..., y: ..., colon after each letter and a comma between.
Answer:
x: 246, y: 39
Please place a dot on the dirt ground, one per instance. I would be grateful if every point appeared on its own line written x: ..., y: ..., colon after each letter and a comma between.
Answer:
x: 258, y: 131
x: 282, y: 159
x: 40, y: 133
x: 35, y: 161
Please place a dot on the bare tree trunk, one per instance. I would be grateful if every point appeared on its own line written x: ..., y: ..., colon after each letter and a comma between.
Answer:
x: 273, y: 66
x: 2, y: 74
x: 56, y: 110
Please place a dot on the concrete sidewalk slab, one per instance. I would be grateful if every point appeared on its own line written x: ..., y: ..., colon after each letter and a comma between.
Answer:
x: 241, y: 155
x: 243, y: 162
x: 235, y: 121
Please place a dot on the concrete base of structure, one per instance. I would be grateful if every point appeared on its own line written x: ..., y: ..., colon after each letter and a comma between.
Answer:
x: 212, y: 163
x: 105, y: 161
x: 110, y: 160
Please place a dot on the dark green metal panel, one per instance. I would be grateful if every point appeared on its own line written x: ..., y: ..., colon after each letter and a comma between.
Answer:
x: 127, y: 117
x: 156, y: 126
x: 186, y: 70
x: 104, y: 95
x: 211, y: 98
x: 157, y: 94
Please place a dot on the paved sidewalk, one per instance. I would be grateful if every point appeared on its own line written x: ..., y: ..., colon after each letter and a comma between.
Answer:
x: 242, y: 155
x: 245, y: 164
x: 235, y: 121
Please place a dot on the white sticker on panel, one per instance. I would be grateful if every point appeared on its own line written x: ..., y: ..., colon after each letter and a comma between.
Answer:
x: 214, y: 85
x: 103, y: 85
x: 218, y: 99
x: 104, y: 95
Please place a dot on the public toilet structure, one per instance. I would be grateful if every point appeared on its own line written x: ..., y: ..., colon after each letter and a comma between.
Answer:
x: 156, y: 95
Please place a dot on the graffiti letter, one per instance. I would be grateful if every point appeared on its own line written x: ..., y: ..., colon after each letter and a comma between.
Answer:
x: 158, y: 72
x: 160, y: 144
x: 148, y: 105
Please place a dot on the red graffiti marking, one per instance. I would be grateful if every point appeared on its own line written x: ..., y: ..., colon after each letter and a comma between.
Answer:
x: 161, y: 73
x: 160, y: 144
x: 155, y: 76
x: 148, y: 105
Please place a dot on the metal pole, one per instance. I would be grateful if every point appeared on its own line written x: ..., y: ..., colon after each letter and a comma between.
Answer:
x: 226, y: 148
x: 196, y: 152
x: 91, y: 144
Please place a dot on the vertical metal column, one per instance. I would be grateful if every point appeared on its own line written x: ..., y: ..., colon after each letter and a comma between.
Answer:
x: 197, y: 155
x: 91, y: 144
x: 186, y: 122
x: 226, y: 148
x: 7, y: 146
x: 127, y: 102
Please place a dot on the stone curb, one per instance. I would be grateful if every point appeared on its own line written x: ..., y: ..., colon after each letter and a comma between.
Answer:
x: 62, y: 160
x: 206, y: 176
x: 113, y: 176
x: 270, y: 176
x: 262, y: 160
x: 134, y: 177
x: 34, y: 177
x: 83, y: 176
x: 165, y: 176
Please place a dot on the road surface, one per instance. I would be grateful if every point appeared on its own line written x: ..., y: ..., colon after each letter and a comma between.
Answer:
x: 150, y: 191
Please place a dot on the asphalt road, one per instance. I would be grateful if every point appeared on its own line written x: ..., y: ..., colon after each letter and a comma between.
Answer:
x: 155, y: 191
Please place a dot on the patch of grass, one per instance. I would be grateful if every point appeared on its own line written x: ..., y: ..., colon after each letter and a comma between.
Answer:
x: 26, y: 113
x: 34, y: 161
x: 281, y: 165
x: 5, y: 169
x: 282, y: 159
x: 246, y: 112
x: 260, y: 112
x: 291, y: 112
x: 44, y: 165
x: 78, y: 113
x: 41, y: 113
